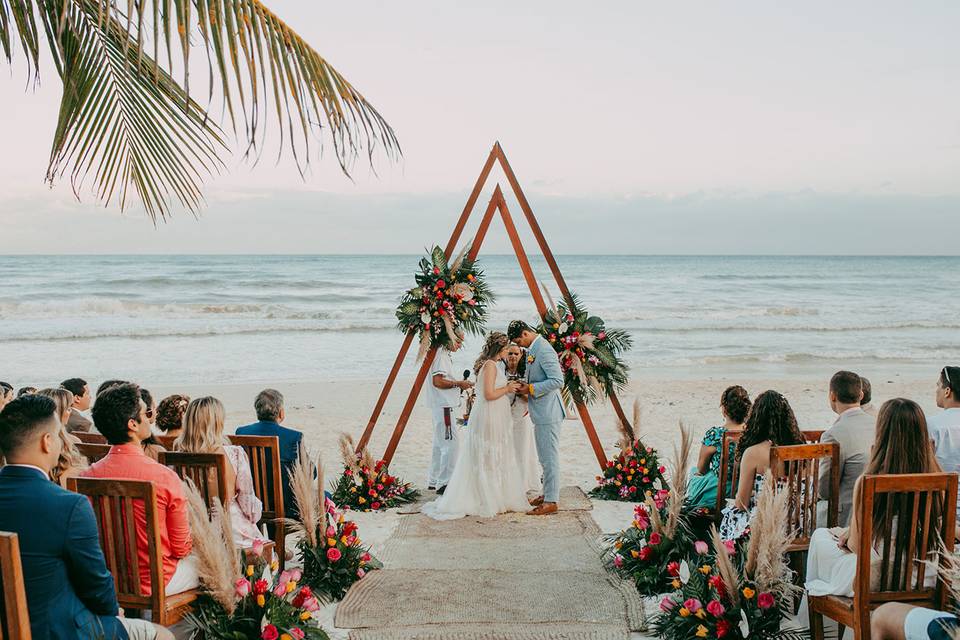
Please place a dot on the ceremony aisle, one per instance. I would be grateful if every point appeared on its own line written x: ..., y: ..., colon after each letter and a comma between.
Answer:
x: 514, y: 576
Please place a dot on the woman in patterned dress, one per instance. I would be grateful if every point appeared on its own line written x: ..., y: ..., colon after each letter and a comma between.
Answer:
x: 702, y: 488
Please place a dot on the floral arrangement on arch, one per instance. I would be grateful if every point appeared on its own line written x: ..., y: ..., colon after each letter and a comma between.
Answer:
x: 366, y: 485
x: 716, y: 599
x: 590, y: 354
x: 449, y: 299
x: 329, y: 549
x: 242, y: 595
x: 636, y: 473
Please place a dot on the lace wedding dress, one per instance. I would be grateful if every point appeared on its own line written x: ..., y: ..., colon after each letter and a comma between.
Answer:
x: 486, y: 478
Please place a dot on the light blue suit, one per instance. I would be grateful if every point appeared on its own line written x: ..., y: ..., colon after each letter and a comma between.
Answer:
x: 545, y: 377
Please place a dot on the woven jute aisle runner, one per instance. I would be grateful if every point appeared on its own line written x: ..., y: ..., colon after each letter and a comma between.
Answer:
x: 514, y: 577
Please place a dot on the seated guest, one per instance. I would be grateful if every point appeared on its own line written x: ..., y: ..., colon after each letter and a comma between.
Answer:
x: 70, y: 593
x: 901, y: 621
x: 170, y: 414
x: 902, y: 445
x: 203, y: 433
x: 151, y: 446
x: 71, y: 462
x: 6, y: 394
x: 121, y: 416
x: 702, y: 488
x: 853, y: 431
x: 26, y: 391
x: 270, y: 413
x: 81, y: 402
x: 866, y: 402
x: 770, y: 423
x: 106, y: 384
x: 945, y: 426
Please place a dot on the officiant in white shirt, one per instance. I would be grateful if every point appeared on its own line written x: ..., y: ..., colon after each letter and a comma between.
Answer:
x: 444, y: 396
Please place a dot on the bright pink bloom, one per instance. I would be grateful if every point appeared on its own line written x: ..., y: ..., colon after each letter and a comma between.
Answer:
x: 730, y: 546
x: 701, y: 547
x: 667, y: 604
x: 241, y: 587
x: 361, y: 573
x: 618, y: 561
x: 333, y: 554
x: 692, y: 605
x: 331, y: 531
x: 646, y: 552
x: 673, y: 569
x: 270, y: 633
x: 715, y: 609
x: 297, y: 633
x: 257, y: 548
x: 765, y: 600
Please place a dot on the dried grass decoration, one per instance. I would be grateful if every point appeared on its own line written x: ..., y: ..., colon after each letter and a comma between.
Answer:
x: 590, y: 354
x: 713, y: 599
x: 366, y: 485
x: 450, y: 299
x: 242, y: 595
x: 636, y: 473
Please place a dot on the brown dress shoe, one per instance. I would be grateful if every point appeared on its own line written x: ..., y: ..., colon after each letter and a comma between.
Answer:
x: 536, y: 502
x: 544, y: 509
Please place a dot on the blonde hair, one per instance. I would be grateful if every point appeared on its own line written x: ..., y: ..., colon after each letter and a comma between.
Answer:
x: 69, y: 458
x: 202, y: 426
x: 63, y: 398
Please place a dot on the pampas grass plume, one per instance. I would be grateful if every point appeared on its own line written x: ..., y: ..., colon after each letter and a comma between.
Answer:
x: 678, y: 487
x: 218, y: 564
x: 725, y: 566
x: 348, y: 452
x: 769, y: 539
x: 307, y: 496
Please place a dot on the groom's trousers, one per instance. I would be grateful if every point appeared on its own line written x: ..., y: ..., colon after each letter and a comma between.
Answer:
x: 547, y: 436
x: 444, y: 446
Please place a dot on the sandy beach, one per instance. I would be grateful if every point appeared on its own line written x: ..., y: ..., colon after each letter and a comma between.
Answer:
x: 325, y: 409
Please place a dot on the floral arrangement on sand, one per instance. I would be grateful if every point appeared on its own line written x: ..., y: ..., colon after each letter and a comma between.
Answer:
x: 590, y: 354
x: 636, y: 474
x: 716, y: 599
x: 449, y: 299
x: 243, y: 598
x: 651, y: 551
x: 329, y: 549
x: 366, y: 485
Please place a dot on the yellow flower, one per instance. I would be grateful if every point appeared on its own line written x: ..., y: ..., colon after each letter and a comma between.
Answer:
x: 305, y: 615
x: 556, y: 326
x: 249, y: 569
x: 353, y: 489
x: 684, y: 612
x: 701, y: 614
x: 619, y: 467
x: 635, y: 553
x: 285, y: 636
x: 261, y: 600
x: 340, y: 518
x: 362, y: 500
x: 332, y: 542
x: 274, y: 564
x: 676, y: 583
x: 291, y: 586
x: 748, y: 593
x: 705, y: 569
x: 643, y: 461
x: 617, y: 482
x: 648, y: 493
x: 701, y: 631
x: 343, y: 539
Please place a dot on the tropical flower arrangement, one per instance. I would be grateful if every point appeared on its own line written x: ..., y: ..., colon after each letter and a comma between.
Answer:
x: 366, y: 485
x: 590, y: 354
x: 716, y: 599
x: 329, y: 549
x: 449, y: 299
x: 636, y: 473
x: 243, y: 597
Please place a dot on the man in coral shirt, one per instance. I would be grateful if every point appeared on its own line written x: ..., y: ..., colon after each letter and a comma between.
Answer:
x: 120, y: 415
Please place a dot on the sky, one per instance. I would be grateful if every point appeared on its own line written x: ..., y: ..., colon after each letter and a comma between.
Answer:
x: 634, y: 127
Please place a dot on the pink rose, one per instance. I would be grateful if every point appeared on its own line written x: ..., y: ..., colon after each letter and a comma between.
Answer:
x: 730, y: 546
x: 241, y: 587
x: 692, y: 605
x: 667, y: 604
x: 361, y: 573
x: 311, y: 604
x: 297, y: 633
x: 270, y: 633
x: 715, y: 609
x: 257, y: 548
x: 333, y: 554
x: 701, y: 547
x: 655, y: 538
x: 618, y: 561
x: 765, y: 600
x: 331, y: 532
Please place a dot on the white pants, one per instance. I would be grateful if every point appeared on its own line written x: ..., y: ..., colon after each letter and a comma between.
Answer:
x: 444, y: 446
x: 186, y: 577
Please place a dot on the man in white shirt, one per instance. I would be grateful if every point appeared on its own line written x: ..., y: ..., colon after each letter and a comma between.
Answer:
x: 444, y: 396
x: 944, y: 427
x: 854, y: 430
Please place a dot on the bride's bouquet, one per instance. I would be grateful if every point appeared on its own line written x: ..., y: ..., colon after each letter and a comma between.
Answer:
x: 366, y: 485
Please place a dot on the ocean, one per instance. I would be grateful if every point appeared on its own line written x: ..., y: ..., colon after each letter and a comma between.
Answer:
x: 237, y: 319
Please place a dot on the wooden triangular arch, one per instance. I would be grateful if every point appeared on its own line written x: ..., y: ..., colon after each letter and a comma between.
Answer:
x: 497, y: 204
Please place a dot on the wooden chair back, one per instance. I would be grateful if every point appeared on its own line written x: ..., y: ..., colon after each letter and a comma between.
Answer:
x: 263, y: 452
x: 89, y: 437
x: 812, y: 436
x: 797, y: 468
x: 166, y: 441
x: 115, y: 503
x: 207, y: 471
x: 14, y: 616
x: 93, y: 452
x: 728, y: 470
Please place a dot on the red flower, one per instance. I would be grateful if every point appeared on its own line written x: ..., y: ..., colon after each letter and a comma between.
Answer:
x: 723, y: 628
x: 646, y: 552
x: 270, y: 633
x: 717, y: 583
x: 673, y: 568
x: 441, y: 284
x: 765, y: 600
x: 260, y: 587
x: 297, y: 633
x: 333, y: 554
x: 655, y: 538
x: 375, y: 505
x: 436, y: 271
x: 349, y: 527
x: 301, y: 596
x: 365, y: 557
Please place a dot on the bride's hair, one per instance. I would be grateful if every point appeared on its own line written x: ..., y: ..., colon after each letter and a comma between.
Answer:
x: 495, y: 343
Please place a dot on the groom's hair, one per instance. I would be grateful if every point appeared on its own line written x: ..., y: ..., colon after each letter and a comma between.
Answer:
x: 516, y: 328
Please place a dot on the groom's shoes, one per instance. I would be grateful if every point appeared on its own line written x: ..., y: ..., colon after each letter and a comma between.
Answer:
x: 536, y: 502
x: 544, y: 509
x: 441, y: 490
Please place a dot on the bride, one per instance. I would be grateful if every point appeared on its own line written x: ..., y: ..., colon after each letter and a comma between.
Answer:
x: 486, y: 480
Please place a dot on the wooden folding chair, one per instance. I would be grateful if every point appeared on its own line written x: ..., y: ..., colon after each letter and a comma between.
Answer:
x: 797, y: 469
x: 728, y: 469
x: 812, y: 436
x: 263, y: 452
x: 207, y: 471
x: 14, y: 616
x: 114, y: 505
x: 914, y: 535
x: 93, y: 452
x: 89, y: 437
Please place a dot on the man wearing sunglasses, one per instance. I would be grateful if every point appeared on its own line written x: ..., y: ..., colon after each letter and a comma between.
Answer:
x: 944, y: 427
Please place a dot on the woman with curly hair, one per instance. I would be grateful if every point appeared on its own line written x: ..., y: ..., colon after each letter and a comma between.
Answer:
x: 771, y: 423
x: 702, y: 487
x: 70, y: 462
x: 170, y: 414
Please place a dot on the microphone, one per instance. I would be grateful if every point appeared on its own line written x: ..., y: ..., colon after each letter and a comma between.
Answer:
x: 466, y: 374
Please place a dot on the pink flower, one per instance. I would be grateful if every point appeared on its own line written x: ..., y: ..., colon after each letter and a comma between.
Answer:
x: 715, y: 609
x: 297, y: 633
x: 296, y: 574
x: 618, y: 561
x: 241, y: 587
x: 365, y: 557
x: 333, y: 554
x: 280, y: 590
x: 311, y: 604
x: 655, y: 538
x: 701, y: 547
x: 765, y: 600
x: 730, y: 546
x: 361, y: 573
x: 331, y: 531
x: 270, y: 633
x: 257, y: 548
x: 692, y: 605
x: 667, y: 604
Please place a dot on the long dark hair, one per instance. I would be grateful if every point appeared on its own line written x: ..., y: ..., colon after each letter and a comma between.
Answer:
x: 770, y: 418
x: 495, y: 343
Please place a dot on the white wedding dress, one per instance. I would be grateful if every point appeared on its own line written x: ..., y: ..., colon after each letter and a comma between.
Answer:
x: 486, y: 478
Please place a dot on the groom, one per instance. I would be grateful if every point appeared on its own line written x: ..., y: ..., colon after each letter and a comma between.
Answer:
x: 544, y: 380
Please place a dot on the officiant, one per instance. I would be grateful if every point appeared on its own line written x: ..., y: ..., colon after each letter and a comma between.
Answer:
x: 444, y: 397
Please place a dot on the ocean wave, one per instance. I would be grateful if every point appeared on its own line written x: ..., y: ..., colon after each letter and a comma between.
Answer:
x: 117, y: 307
x: 200, y: 332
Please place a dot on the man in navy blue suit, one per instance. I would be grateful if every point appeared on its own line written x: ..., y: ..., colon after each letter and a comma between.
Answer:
x: 70, y: 593
x: 269, y: 407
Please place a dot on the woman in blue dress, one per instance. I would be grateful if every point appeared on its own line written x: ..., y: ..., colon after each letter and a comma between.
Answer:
x: 702, y: 488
